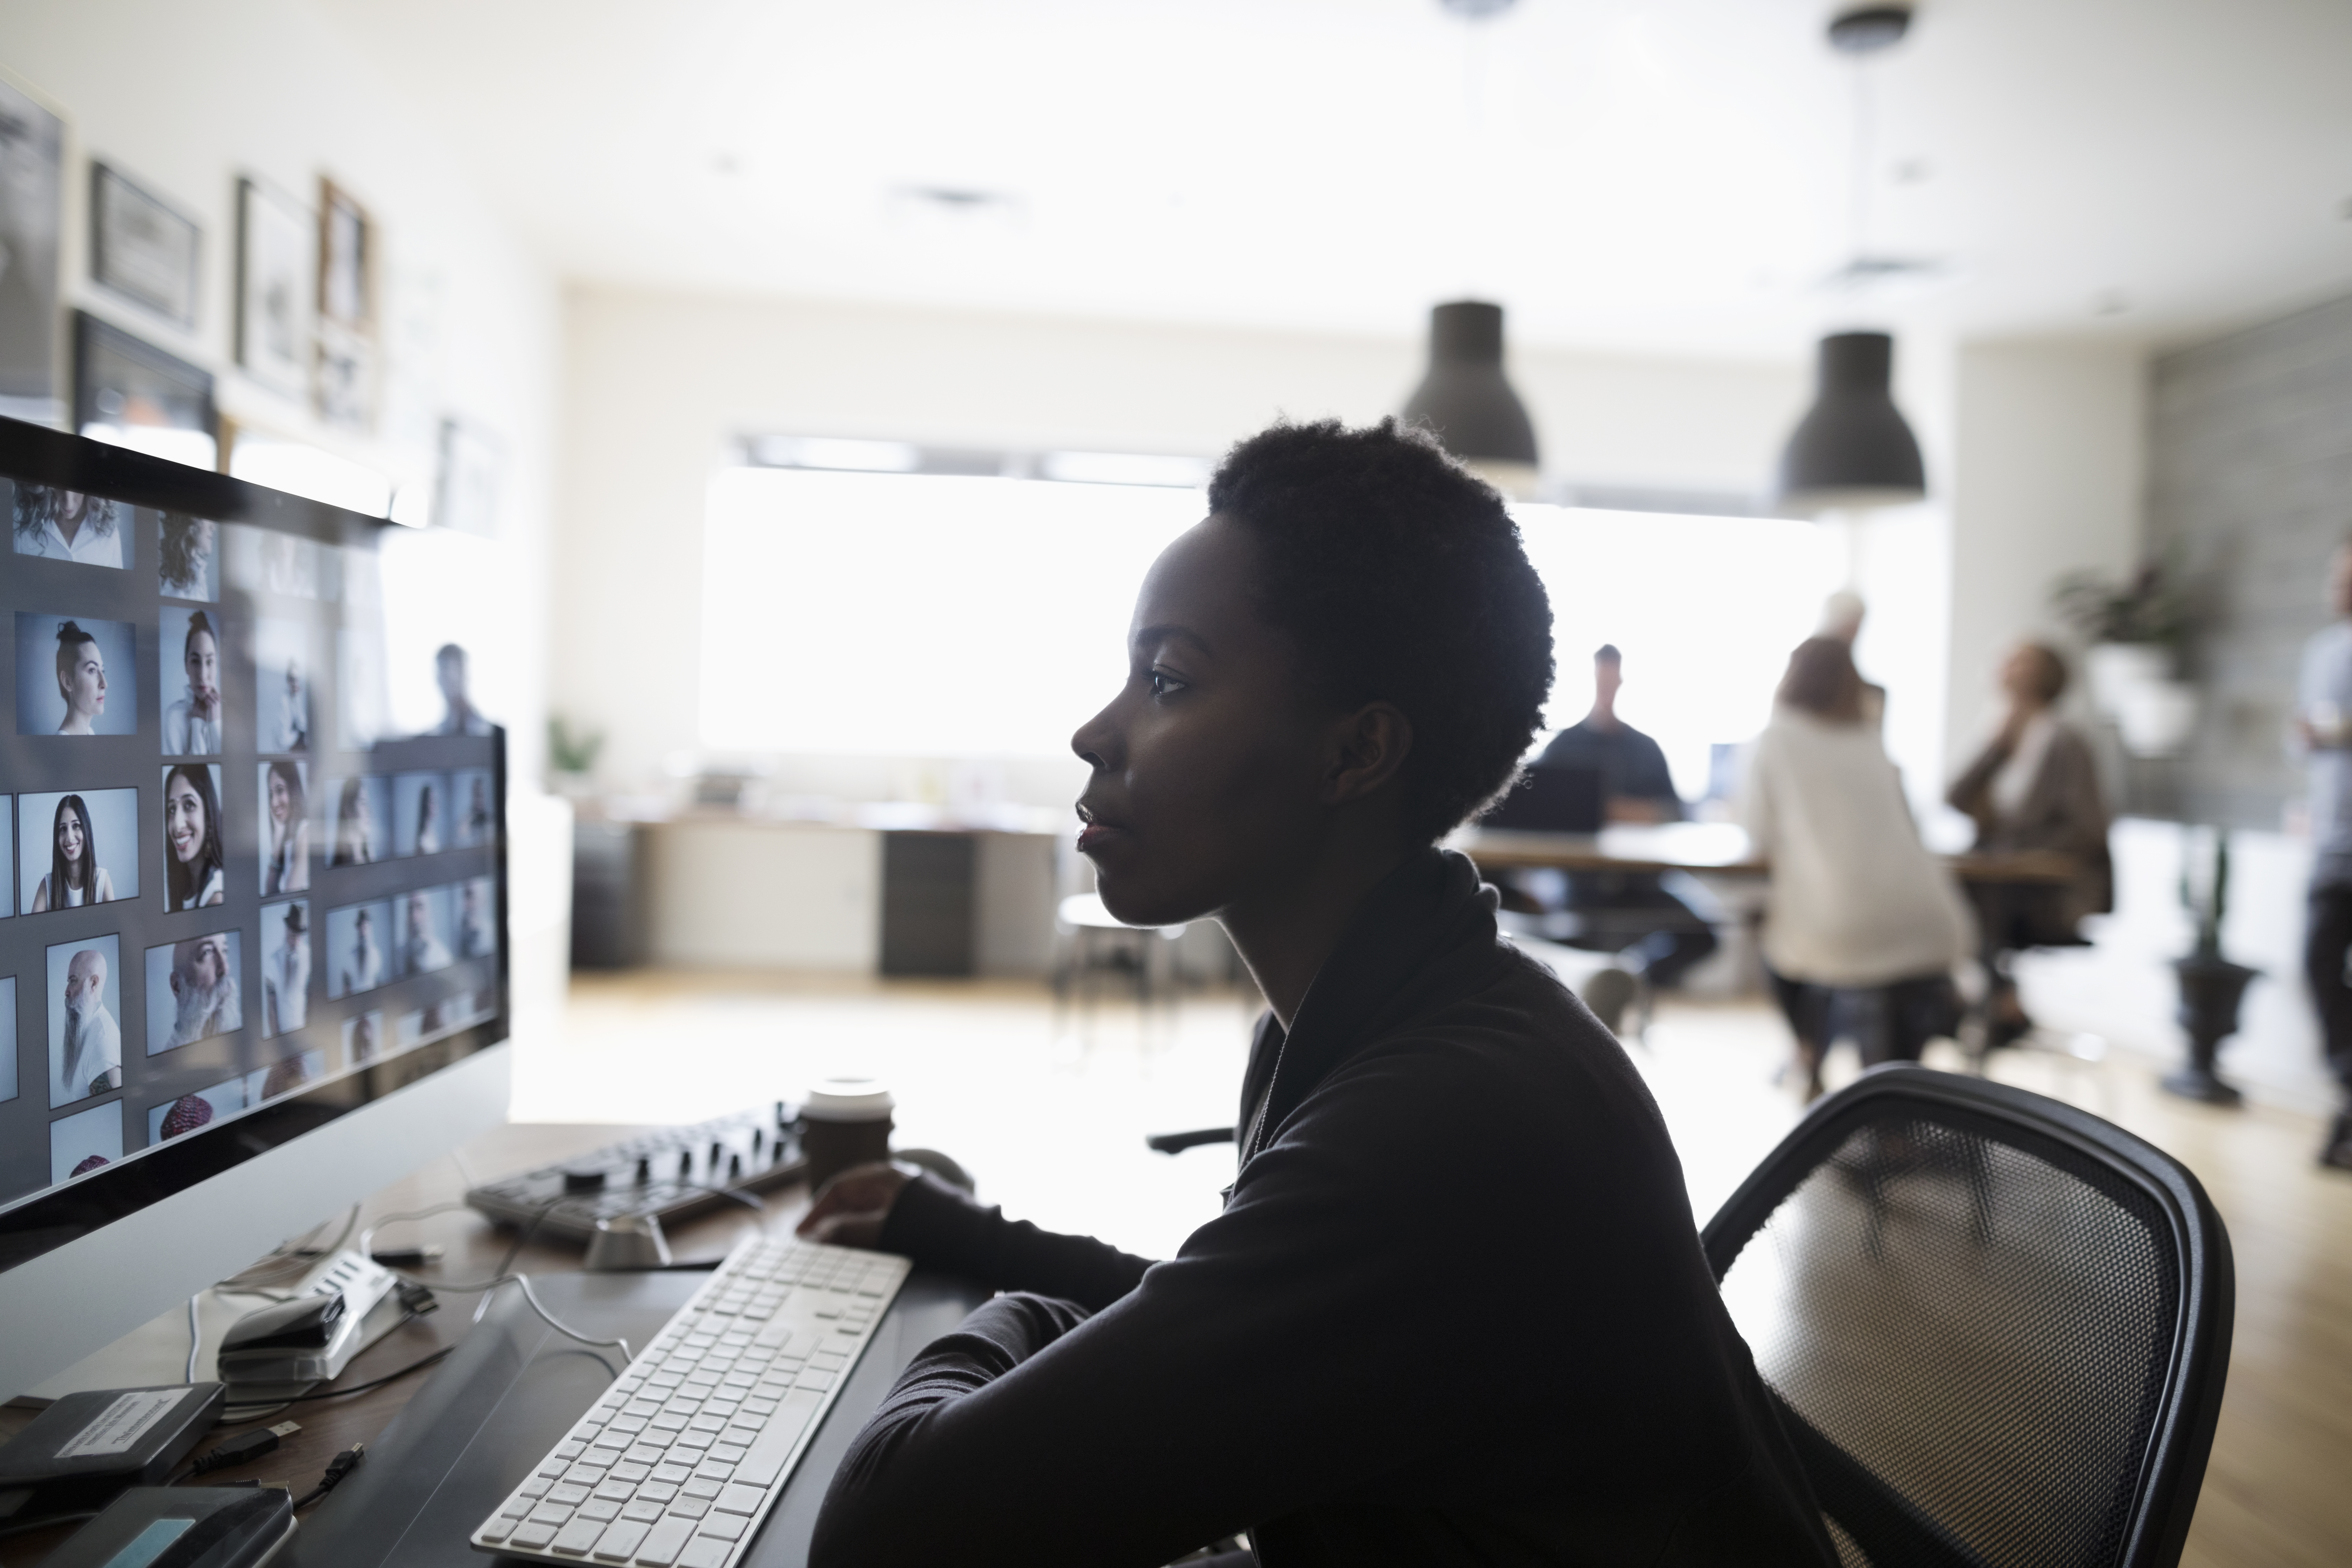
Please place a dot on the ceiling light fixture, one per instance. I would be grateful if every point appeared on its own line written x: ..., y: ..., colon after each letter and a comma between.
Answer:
x: 1464, y: 400
x: 1852, y: 450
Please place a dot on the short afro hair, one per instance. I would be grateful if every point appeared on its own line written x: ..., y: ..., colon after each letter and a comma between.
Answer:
x: 1401, y: 577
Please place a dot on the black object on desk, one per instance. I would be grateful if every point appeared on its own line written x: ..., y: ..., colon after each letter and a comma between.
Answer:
x: 515, y: 1387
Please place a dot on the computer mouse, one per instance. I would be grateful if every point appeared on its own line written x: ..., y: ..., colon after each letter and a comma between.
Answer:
x: 303, y: 1323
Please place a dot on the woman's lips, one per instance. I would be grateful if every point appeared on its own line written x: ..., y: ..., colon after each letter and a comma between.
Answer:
x: 182, y: 843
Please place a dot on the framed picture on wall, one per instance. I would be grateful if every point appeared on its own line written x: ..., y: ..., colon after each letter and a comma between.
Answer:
x: 131, y: 394
x: 473, y: 470
x: 344, y: 363
x: 277, y: 260
x: 140, y: 247
x: 32, y: 190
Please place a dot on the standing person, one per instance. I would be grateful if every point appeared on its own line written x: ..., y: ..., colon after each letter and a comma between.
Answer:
x: 88, y: 1058
x: 2034, y: 786
x: 81, y: 679
x: 363, y: 965
x: 1862, y: 926
x: 74, y: 875
x: 1343, y: 661
x: 459, y: 716
x: 287, y: 868
x: 194, y: 871
x: 428, y: 818
x: 2323, y: 724
x: 192, y: 725
x: 1631, y: 914
x: 421, y: 951
x: 1843, y: 613
x: 285, y: 976
x: 66, y: 526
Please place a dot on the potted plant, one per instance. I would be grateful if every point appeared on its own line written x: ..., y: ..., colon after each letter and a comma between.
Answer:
x: 2211, y: 988
x: 573, y: 758
x: 2133, y: 629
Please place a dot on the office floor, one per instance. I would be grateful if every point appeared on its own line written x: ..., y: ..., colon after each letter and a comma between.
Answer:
x: 1049, y: 1112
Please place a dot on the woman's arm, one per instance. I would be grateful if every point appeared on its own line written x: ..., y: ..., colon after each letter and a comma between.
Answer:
x: 104, y: 891
x: 1972, y: 792
x: 40, y: 898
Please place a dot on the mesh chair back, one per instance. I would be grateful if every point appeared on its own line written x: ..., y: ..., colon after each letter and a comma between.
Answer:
x: 1996, y: 1326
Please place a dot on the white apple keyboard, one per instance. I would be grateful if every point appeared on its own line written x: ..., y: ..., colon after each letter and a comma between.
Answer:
x: 678, y: 1462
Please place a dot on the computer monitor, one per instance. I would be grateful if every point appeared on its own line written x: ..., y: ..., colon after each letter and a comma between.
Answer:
x: 253, y: 951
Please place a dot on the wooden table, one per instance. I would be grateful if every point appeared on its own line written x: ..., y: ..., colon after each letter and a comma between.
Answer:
x: 1720, y: 849
x: 473, y: 1249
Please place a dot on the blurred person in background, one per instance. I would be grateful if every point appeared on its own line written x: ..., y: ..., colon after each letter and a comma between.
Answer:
x: 2323, y: 724
x: 1862, y: 926
x: 2033, y: 787
x: 1841, y: 617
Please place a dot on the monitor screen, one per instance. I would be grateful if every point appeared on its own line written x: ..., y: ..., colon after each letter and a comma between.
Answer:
x: 234, y: 905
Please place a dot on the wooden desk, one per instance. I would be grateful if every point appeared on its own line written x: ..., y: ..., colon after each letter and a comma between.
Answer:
x: 473, y: 1249
x: 1705, y: 847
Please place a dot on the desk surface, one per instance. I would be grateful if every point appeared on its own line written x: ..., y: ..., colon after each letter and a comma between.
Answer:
x: 1716, y: 848
x: 473, y: 1247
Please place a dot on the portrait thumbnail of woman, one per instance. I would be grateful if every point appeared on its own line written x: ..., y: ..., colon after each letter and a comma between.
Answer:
x: 281, y: 661
x: 74, y: 675
x: 195, y: 872
x: 361, y: 826
x: 191, y: 564
x: 285, y: 828
x: 469, y: 795
x: 66, y: 526
x: 75, y: 847
x: 190, y: 653
x: 419, y: 814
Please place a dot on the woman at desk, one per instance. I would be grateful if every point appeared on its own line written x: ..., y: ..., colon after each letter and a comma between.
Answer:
x: 2035, y: 787
x: 1455, y: 1310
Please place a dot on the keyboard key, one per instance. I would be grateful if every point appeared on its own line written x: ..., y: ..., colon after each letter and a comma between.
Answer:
x: 657, y: 1491
x: 765, y: 1461
x: 672, y: 1472
x: 631, y: 1473
x: 616, y: 1492
x: 619, y: 1542
x: 569, y: 1495
x: 517, y: 1505
x: 602, y: 1511
x: 644, y: 1511
x: 703, y: 1488
x: 535, y: 1488
x: 739, y: 1499
x: 578, y: 1536
x: 715, y: 1470
x: 705, y: 1551
x: 663, y: 1542
x: 533, y: 1537
x: 689, y: 1508
x: 670, y: 1420
x: 497, y: 1530
x: 728, y: 1453
x: 725, y: 1526
x: 555, y: 1513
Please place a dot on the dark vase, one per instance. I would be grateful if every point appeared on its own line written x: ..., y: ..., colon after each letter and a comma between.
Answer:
x: 2210, y: 991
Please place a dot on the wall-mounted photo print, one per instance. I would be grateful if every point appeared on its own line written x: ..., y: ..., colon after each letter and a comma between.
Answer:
x: 188, y: 650
x: 192, y: 991
x: 362, y: 820
x: 7, y: 1037
x: 285, y: 967
x: 66, y: 526
x: 284, y: 1076
x: 363, y: 1038
x: 285, y: 828
x: 281, y: 657
x: 8, y: 904
x: 472, y: 821
x: 446, y: 1017
x: 420, y: 814
x: 83, y: 1143
x: 196, y: 1110
x: 85, y: 1000
x: 190, y: 568
x: 358, y: 938
x: 477, y: 919
x: 74, y: 675
x: 196, y: 871
x: 264, y: 561
x: 76, y: 847
x: 423, y: 934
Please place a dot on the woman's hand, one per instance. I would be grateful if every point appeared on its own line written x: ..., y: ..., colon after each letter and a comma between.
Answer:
x: 852, y: 1208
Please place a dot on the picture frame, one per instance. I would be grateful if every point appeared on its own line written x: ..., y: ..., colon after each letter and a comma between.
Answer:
x: 141, y: 248
x: 276, y: 289
x: 343, y: 363
x: 131, y: 394
x: 473, y: 473
x: 32, y: 226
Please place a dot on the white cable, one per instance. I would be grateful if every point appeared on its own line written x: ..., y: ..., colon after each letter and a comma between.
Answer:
x: 561, y: 1327
x: 195, y: 1335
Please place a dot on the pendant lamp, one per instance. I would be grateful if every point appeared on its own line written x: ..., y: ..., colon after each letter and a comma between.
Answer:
x: 1852, y: 449
x: 1468, y: 405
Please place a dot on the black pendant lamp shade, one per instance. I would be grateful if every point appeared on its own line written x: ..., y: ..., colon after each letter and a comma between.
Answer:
x: 1852, y: 449
x: 1465, y: 403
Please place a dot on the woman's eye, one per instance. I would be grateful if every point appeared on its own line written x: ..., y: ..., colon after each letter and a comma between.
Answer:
x: 1166, y: 685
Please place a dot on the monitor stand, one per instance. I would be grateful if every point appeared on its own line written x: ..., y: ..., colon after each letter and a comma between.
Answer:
x: 514, y: 1387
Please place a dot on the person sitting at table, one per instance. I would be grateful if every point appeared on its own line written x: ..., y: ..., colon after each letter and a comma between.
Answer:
x: 1862, y: 926
x: 1658, y: 931
x: 2034, y: 786
x: 1345, y: 659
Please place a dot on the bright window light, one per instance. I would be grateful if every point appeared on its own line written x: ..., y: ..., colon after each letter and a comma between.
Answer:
x: 916, y: 615
x: 299, y: 468
x: 945, y: 617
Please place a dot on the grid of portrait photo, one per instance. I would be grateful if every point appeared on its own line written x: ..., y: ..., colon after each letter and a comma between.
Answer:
x: 191, y: 886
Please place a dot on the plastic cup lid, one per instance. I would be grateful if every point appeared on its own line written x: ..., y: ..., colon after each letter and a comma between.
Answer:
x: 848, y: 1099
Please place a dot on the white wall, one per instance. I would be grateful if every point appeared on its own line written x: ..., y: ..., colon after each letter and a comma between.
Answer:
x: 658, y: 385
x: 184, y: 99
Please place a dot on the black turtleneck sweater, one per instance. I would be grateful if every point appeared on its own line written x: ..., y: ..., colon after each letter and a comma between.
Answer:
x: 1455, y: 1312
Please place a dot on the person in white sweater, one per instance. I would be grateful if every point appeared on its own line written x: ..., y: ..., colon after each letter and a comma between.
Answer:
x: 1862, y: 926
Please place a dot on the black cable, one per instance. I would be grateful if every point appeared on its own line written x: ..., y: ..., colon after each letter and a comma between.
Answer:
x: 364, y: 1387
x: 341, y: 1464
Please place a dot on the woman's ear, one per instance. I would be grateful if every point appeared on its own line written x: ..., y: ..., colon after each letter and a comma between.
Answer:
x: 1367, y: 749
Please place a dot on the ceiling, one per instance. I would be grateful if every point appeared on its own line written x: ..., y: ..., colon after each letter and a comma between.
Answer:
x: 1646, y: 176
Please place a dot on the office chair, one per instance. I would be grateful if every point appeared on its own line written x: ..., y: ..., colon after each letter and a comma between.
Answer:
x: 1996, y: 1327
